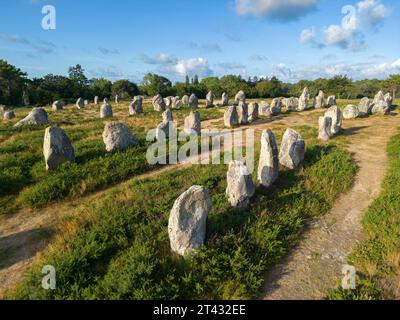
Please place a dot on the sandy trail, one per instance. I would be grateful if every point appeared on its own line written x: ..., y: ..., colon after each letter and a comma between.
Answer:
x: 314, y: 266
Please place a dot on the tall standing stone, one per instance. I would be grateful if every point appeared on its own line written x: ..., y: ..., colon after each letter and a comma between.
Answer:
x: 192, y: 123
x: 364, y: 107
x: 292, y: 149
x: 240, y: 97
x: 106, y: 111
x: 264, y: 109
x: 240, y: 187
x: 116, y: 99
x: 176, y: 103
x: 210, y: 99
x: 320, y: 100
x: 158, y: 103
x: 231, y: 118
x: 96, y: 100
x: 167, y: 115
x: 118, y: 136
x: 185, y: 100
x: 303, y: 100
x: 168, y: 101
x: 379, y: 97
x: 336, y: 115
x: 224, y: 99
x: 187, y: 220
x: 57, y: 148
x: 276, y: 106
x: 325, y: 124
x: 136, y: 106
x: 243, y: 113
x: 268, y: 166
x: 253, y: 111
x: 388, y: 99
x: 80, y: 104
x: 193, y: 101
x: 331, y: 101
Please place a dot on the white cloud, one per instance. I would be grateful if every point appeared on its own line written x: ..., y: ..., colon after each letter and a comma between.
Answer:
x: 365, y: 15
x: 275, y: 9
x: 307, y: 36
x: 193, y: 66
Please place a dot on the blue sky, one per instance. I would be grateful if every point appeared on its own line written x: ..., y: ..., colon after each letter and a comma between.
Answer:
x: 292, y: 39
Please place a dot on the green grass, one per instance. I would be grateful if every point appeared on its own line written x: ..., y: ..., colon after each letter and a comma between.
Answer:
x: 122, y: 251
x: 378, y: 256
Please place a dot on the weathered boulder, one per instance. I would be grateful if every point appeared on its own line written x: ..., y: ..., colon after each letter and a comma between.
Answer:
x: 253, y: 111
x: 192, y: 123
x: 379, y: 97
x: 158, y: 103
x: 193, y: 101
x: 8, y: 115
x: 350, y: 112
x: 303, y: 100
x: 336, y: 115
x: 388, y: 99
x: 210, y: 99
x: 268, y: 166
x: 264, y: 109
x: 291, y: 104
x: 167, y: 115
x: 231, y: 117
x: 168, y: 101
x: 331, y: 101
x: 325, y: 124
x: 240, y: 187
x: 36, y: 117
x: 57, y: 105
x: 187, y: 220
x: 380, y: 107
x: 240, y: 97
x: 118, y: 136
x: 319, y: 100
x: 80, y: 104
x: 185, y: 100
x: 135, y: 106
x: 57, y: 148
x: 224, y: 99
x: 243, y: 113
x: 276, y: 106
x: 176, y: 103
x: 364, y: 107
x: 106, y: 111
x: 292, y: 149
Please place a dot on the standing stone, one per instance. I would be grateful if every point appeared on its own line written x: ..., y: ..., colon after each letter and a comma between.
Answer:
x: 331, y: 101
x: 224, y: 100
x: 336, y: 115
x: 136, y: 106
x: 193, y: 123
x: 106, y: 111
x: 243, y: 113
x: 292, y: 149
x: 86, y: 102
x: 193, y: 101
x: 158, y: 103
x: 118, y: 136
x: 165, y: 130
x: 57, y: 148
x: 276, y: 106
x: 96, y: 100
x: 350, y: 112
x: 176, y: 103
x: 168, y: 101
x: 268, y: 166
x: 57, y: 105
x: 364, y: 106
x: 116, y: 99
x: 320, y: 100
x: 380, y: 107
x: 210, y: 99
x: 185, y: 100
x: 105, y: 100
x: 187, y: 220
x: 388, y: 99
x: 325, y: 124
x: 8, y: 115
x: 37, y: 116
x: 240, y: 187
x: 303, y: 100
x: 240, y: 97
x: 80, y: 104
x: 291, y: 104
x: 231, y: 118
x: 167, y: 115
x: 253, y: 111
x: 379, y: 97
x: 264, y: 109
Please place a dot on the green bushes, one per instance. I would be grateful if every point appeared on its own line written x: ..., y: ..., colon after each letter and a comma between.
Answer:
x: 123, y: 253
x: 378, y: 256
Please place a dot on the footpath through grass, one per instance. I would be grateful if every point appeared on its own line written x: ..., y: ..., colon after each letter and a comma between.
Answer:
x: 377, y: 258
x: 121, y: 251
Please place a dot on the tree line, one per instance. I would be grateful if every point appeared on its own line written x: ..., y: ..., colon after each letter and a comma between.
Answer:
x: 17, y: 89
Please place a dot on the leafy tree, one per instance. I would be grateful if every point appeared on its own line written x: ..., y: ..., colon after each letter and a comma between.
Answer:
x: 213, y: 84
x: 12, y: 82
x: 196, y: 79
x: 100, y: 87
x: 187, y: 81
x: 154, y: 84
x: 125, y: 89
x: 77, y: 74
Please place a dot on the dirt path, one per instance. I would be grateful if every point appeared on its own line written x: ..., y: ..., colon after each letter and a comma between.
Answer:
x: 314, y: 266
